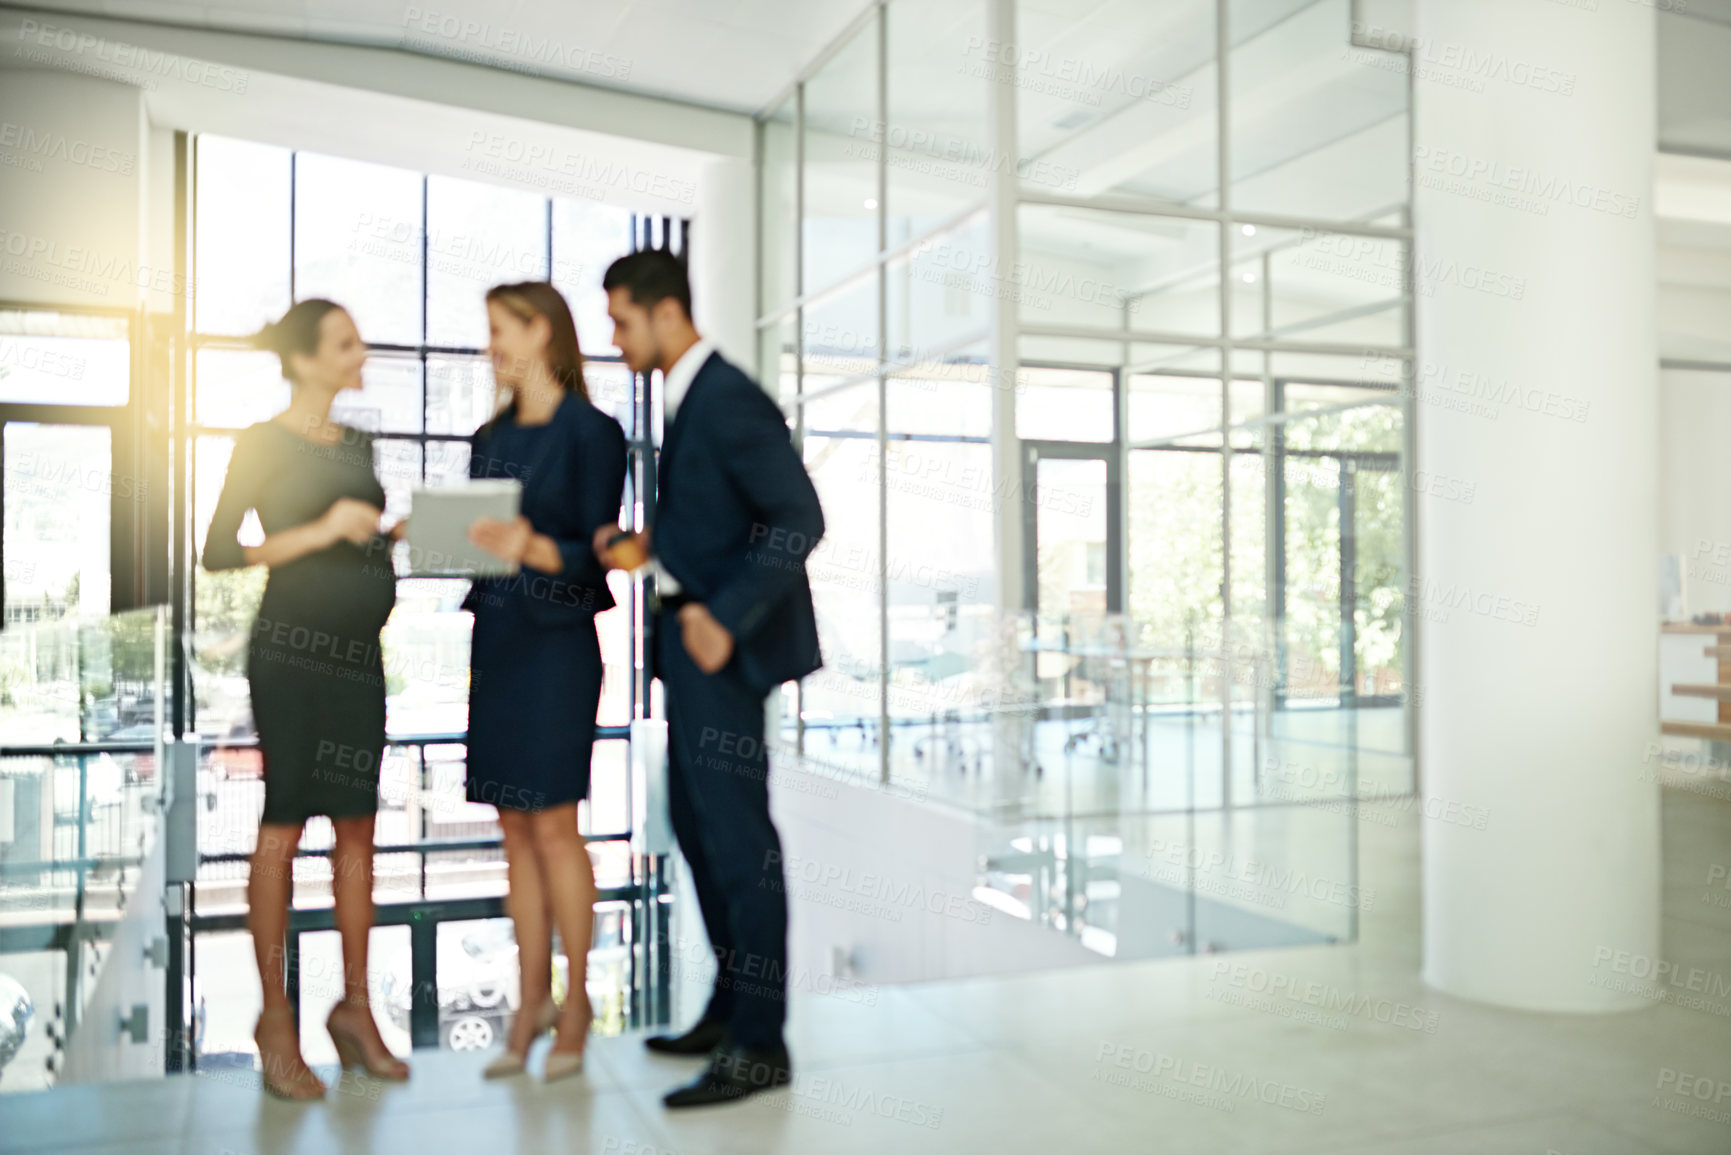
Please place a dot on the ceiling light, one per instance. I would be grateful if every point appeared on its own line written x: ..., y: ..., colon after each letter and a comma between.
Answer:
x: 871, y: 202
x: 1249, y: 230
x: 1250, y: 278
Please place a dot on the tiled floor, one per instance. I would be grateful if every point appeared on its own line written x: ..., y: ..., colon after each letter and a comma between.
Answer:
x: 1233, y: 1054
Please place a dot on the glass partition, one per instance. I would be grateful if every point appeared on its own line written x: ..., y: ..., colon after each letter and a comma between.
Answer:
x: 1143, y: 417
x: 82, y: 787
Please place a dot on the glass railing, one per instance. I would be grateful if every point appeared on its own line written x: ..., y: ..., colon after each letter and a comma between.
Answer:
x: 81, y: 801
x: 1187, y: 776
x: 123, y: 865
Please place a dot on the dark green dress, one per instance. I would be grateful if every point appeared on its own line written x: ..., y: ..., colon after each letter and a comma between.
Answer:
x: 314, y: 661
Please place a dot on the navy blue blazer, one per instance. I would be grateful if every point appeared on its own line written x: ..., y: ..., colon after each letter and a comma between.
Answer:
x: 573, y: 485
x: 736, y: 517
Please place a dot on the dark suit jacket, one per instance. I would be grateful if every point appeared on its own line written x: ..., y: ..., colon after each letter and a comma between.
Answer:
x: 573, y: 487
x: 735, y: 519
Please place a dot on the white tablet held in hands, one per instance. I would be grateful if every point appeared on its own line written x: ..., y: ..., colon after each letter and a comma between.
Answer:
x: 439, y: 521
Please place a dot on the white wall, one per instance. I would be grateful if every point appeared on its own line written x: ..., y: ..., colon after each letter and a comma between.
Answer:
x: 76, y: 151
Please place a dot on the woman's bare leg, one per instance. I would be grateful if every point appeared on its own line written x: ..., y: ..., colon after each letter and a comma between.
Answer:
x: 269, y: 887
x: 526, y: 903
x: 570, y: 880
x: 352, y: 890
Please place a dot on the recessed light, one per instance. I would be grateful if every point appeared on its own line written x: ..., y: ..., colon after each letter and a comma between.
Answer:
x: 1249, y: 278
x: 871, y: 202
x: 1249, y: 230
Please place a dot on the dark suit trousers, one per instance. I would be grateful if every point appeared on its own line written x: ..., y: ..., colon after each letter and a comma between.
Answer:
x: 718, y: 800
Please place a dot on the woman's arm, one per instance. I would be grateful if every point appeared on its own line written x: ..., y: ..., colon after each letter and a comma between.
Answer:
x: 601, y: 482
x: 248, y: 472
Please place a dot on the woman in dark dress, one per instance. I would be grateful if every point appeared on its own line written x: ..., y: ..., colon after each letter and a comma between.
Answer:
x: 315, y: 670
x: 535, y: 661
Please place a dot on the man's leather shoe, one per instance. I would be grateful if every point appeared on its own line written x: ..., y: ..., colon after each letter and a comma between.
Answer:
x: 701, y: 1039
x: 732, y: 1074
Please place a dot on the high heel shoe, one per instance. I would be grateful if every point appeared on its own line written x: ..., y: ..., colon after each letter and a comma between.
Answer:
x: 300, y: 1085
x: 511, y: 1063
x: 351, y: 1052
x: 564, y: 1064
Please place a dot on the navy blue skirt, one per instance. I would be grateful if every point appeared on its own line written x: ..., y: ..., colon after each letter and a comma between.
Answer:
x: 533, y: 696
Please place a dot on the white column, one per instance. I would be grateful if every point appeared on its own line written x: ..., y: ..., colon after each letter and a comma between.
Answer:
x: 723, y: 265
x: 1534, y: 130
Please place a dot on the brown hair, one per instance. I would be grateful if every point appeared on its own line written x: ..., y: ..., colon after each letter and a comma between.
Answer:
x: 527, y: 300
x: 296, y: 332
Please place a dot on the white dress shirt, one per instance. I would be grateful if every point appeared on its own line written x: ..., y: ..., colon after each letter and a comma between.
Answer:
x: 674, y: 384
x: 678, y: 379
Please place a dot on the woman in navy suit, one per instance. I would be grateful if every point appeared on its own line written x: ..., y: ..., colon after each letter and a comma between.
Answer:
x: 535, y: 661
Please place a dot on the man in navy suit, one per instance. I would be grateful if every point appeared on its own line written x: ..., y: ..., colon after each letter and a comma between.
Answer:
x: 736, y: 516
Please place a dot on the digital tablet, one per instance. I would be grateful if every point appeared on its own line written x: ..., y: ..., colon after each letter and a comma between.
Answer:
x: 439, y: 521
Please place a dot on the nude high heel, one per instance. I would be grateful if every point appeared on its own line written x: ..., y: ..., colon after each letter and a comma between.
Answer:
x: 510, y: 1062
x: 353, y: 1053
x: 299, y: 1085
x: 564, y: 1064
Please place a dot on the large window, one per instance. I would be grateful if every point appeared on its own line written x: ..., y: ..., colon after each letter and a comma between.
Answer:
x: 410, y: 255
x: 71, y: 495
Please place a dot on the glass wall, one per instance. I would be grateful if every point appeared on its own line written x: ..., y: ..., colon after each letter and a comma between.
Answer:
x: 1095, y: 330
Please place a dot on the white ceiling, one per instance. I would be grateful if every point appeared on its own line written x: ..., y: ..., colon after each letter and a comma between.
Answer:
x: 732, y: 54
